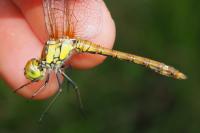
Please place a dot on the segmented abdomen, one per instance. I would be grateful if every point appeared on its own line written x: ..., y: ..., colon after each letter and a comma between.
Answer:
x: 163, y: 69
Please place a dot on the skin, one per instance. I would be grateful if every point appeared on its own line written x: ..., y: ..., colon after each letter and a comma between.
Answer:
x: 22, y: 35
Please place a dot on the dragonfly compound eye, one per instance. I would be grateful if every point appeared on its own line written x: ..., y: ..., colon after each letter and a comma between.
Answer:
x: 33, y: 70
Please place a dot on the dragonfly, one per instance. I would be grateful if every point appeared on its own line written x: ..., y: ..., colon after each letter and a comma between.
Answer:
x: 63, y: 20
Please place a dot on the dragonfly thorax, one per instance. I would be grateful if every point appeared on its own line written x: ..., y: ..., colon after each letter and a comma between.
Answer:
x: 56, y: 52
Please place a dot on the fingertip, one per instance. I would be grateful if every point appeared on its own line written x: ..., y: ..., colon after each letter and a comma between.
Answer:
x: 18, y: 45
x: 105, y: 37
x: 86, y: 61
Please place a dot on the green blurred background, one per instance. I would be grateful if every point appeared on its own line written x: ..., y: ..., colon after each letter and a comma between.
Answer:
x: 121, y: 97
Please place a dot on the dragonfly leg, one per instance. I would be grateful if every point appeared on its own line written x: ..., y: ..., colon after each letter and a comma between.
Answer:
x: 75, y: 87
x: 16, y: 90
x: 53, y: 100
x: 42, y: 87
x: 67, y: 67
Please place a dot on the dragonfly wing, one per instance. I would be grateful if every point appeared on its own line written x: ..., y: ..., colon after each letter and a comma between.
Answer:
x: 54, y: 17
x: 72, y: 18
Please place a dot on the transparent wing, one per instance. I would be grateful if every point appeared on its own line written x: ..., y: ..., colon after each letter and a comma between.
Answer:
x: 73, y: 18
x: 54, y: 17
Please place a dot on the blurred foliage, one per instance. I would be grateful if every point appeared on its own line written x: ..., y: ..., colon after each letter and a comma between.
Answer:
x: 121, y: 97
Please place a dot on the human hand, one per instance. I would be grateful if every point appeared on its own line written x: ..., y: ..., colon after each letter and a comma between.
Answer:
x: 22, y: 31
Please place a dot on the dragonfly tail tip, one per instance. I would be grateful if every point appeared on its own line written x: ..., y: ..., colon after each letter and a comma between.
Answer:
x: 181, y: 76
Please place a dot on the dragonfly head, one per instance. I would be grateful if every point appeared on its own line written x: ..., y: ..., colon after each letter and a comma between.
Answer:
x: 33, y: 70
